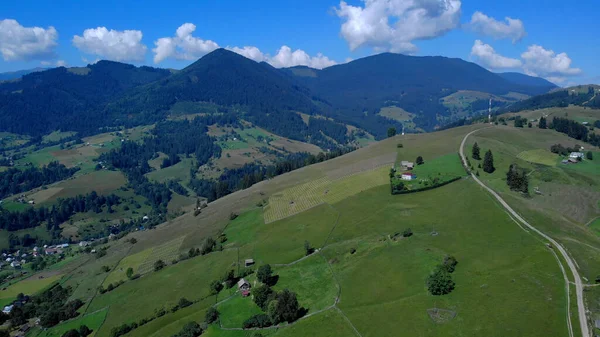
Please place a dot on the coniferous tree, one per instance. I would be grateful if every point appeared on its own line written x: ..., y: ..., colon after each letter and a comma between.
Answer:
x: 543, y: 123
x: 475, y: 152
x: 488, y: 162
x: 420, y: 160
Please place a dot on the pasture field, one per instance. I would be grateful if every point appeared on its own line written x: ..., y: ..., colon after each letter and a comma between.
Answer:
x: 190, y: 279
x: 179, y: 171
x: 40, y: 232
x: 28, y: 286
x: 166, y: 252
x: 540, y: 156
x: 302, y: 197
x: 134, y: 261
x: 92, y: 321
x: 233, y: 312
x: 574, y: 112
x: 569, y: 196
x: 595, y: 226
x: 57, y: 135
x: 587, y: 167
x: 444, y: 168
x: 399, y: 114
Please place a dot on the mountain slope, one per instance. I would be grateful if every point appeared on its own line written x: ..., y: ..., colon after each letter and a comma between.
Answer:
x: 67, y: 99
x: 11, y: 75
x: 522, y: 79
x: 415, y: 84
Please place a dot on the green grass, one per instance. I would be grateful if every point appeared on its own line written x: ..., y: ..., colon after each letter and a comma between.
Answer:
x: 236, y: 310
x: 132, y: 261
x: 326, y: 324
x: 445, y: 168
x: 92, y: 321
x: 58, y: 135
x: 595, y: 226
x: 28, y: 287
x: 190, y: 279
x: 311, y: 280
x: 179, y: 171
x: 40, y: 232
x: 540, y: 156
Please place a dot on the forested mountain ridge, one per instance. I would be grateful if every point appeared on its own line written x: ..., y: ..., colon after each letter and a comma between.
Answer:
x: 67, y: 99
x: 584, y: 95
x: 415, y: 84
x: 523, y: 79
x: 109, y: 94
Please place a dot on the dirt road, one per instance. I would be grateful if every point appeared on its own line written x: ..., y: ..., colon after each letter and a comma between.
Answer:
x: 585, y: 332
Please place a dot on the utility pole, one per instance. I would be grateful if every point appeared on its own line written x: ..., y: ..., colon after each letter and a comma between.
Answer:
x: 490, y: 112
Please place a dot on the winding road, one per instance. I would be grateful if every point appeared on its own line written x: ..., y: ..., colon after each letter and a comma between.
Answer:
x: 585, y: 331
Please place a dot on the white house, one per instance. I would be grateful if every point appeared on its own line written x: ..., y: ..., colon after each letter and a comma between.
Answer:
x: 576, y: 155
x: 408, y: 176
x: 7, y: 309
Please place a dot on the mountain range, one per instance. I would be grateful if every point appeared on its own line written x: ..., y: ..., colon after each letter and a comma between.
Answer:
x: 111, y: 94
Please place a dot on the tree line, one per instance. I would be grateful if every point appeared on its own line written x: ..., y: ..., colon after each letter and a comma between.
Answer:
x: 14, y: 181
x: 575, y: 130
x: 250, y: 174
x: 57, y: 214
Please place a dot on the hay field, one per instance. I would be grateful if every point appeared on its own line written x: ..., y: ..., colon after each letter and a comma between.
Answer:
x: 540, y: 156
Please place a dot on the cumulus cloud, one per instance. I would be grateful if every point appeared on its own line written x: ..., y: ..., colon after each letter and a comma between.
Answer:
x: 542, y: 62
x: 182, y: 46
x: 112, y: 44
x: 26, y: 43
x: 510, y: 29
x: 250, y: 52
x: 394, y: 24
x: 489, y: 58
x: 285, y: 57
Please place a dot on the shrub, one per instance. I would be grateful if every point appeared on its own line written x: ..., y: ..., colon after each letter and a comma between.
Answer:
x: 420, y: 160
x: 158, y: 265
x: 407, y: 233
x: 257, y: 321
x: 211, y: 315
x: 215, y: 287
x: 262, y: 295
x: 440, y: 282
x: 450, y: 263
x: 184, y: 302
x: 264, y: 273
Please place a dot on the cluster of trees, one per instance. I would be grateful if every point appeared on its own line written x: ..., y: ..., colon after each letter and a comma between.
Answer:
x: 543, y: 123
x: 57, y: 214
x: 575, y: 130
x: 83, y: 331
x: 191, y: 329
x: 440, y: 281
x: 563, y: 151
x: 520, y: 121
x: 250, y: 174
x: 51, y: 306
x: 14, y: 181
x: 516, y: 179
x: 336, y: 131
x: 279, y: 307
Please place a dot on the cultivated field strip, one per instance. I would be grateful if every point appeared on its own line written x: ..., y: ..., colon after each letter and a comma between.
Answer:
x: 166, y: 252
x: 295, y: 200
x: 362, y: 166
x: 323, y: 190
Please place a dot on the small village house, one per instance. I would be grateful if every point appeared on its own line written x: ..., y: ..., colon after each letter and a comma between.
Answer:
x: 407, y: 165
x: 248, y: 262
x: 408, y: 176
x: 7, y: 309
x: 576, y: 155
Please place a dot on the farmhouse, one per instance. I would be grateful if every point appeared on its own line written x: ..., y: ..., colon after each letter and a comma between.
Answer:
x: 243, y: 285
x: 408, y: 176
x: 576, y: 155
x: 407, y: 165
x: 7, y: 309
x: 248, y: 262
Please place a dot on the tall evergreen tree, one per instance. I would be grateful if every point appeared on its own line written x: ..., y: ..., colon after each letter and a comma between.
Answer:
x: 475, y: 152
x: 488, y: 162
x: 543, y: 124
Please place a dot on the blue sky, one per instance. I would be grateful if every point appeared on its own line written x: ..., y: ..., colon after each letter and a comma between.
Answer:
x: 552, y: 39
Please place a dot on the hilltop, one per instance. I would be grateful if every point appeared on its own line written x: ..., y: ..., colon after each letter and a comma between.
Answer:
x: 109, y: 94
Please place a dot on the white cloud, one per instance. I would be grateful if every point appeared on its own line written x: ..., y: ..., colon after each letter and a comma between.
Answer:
x: 26, y: 43
x: 183, y: 45
x: 285, y: 57
x: 112, y: 44
x: 61, y: 63
x: 511, y: 29
x: 542, y: 62
x: 394, y: 24
x: 250, y: 52
x: 489, y: 58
